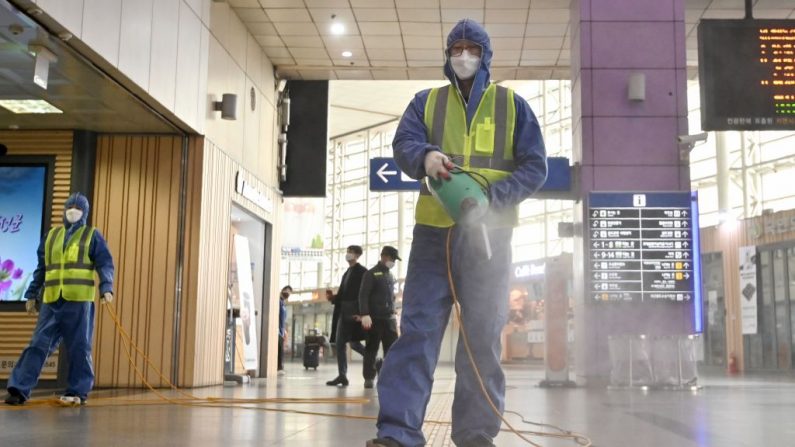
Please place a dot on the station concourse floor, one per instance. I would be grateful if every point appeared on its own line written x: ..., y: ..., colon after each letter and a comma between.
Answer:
x: 749, y: 411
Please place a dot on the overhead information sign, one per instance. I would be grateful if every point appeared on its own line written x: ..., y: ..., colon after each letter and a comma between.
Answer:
x: 747, y: 74
x: 385, y: 175
x: 643, y: 247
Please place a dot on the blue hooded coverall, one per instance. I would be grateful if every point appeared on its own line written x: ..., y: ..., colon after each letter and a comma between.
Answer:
x: 72, y: 321
x: 404, y: 386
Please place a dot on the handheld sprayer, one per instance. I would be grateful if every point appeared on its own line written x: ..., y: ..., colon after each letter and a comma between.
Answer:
x: 465, y: 198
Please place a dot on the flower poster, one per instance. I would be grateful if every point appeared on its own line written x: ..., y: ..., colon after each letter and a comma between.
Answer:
x: 21, y: 209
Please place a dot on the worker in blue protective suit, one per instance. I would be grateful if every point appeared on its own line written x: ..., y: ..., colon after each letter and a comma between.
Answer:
x: 68, y: 257
x: 490, y: 130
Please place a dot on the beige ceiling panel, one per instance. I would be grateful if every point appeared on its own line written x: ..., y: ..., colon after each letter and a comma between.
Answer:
x: 417, y: 3
x: 323, y: 16
x: 552, y: 4
x: 373, y: 42
x: 379, y: 28
x: 372, y: 3
x: 296, y: 28
x: 390, y: 54
x: 713, y: 13
x: 421, y: 29
x: 469, y: 4
x: 426, y: 43
x: 307, y: 62
x: 269, y: 41
x: 503, y: 74
x: 317, y: 74
x: 506, y: 30
x: 418, y: 14
x: 390, y: 74
x: 343, y: 42
x: 546, y: 29
x: 772, y: 13
x: 308, y: 53
x: 426, y: 73
x: 388, y: 63
x: 303, y: 41
x: 549, y: 15
x: 454, y: 15
x: 260, y: 28
x: 326, y: 3
x: 375, y: 14
x: 277, y: 3
x: 507, y: 55
x: 277, y: 52
x: 506, y: 15
x: 424, y: 55
x: 561, y: 74
x: 506, y: 43
x: 282, y: 60
x: 507, y: 4
x: 288, y: 15
x: 354, y: 74
x: 540, y: 54
x: 531, y: 73
x: 252, y: 14
x: 422, y: 63
x: 243, y: 3
x: 543, y: 43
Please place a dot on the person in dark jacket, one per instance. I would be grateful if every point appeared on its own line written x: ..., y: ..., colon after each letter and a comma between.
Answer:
x: 348, y: 328
x: 491, y: 130
x: 68, y: 257
x: 377, y: 307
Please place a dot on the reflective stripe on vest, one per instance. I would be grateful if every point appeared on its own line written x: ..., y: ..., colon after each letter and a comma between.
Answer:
x: 69, y: 271
x: 486, y: 147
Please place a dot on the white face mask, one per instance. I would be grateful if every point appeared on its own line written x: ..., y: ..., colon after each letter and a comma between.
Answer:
x: 349, y: 257
x: 465, y: 65
x: 73, y: 215
x: 389, y: 264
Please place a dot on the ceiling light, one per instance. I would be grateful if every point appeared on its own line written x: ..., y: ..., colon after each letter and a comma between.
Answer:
x: 337, y: 28
x: 347, y: 54
x: 28, y: 106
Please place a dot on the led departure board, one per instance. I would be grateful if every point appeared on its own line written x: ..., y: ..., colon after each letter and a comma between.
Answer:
x: 747, y: 74
x: 643, y: 247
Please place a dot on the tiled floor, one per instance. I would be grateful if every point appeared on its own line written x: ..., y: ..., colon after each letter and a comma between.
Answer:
x: 727, y: 412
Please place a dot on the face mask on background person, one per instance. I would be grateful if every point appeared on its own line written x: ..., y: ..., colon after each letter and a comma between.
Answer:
x: 465, y: 65
x: 73, y: 215
x: 389, y: 264
x: 349, y: 257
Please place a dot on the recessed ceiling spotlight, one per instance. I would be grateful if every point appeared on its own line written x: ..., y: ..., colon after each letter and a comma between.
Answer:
x: 347, y: 54
x: 337, y: 28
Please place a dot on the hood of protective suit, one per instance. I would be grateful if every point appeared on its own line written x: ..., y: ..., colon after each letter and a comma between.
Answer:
x: 81, y: 202
x: 468, y: 29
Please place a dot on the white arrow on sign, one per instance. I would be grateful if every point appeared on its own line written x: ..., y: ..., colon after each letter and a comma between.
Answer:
x: 382, y: 173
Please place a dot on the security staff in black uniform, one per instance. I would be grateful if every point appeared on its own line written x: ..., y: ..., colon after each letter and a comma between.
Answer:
x: 377, y: 307
x: 348, y: 329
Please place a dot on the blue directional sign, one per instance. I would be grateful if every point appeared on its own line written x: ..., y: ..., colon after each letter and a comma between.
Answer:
x: 386, y: 176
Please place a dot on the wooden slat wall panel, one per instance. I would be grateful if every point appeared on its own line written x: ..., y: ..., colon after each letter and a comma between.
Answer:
x: 15, y: 327
x: 210, y: 198
x: 727, y: 239
x: 190, y: 274
x: 136, y: 207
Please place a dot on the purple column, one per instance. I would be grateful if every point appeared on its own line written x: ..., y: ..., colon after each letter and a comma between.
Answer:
x: 625, y: 145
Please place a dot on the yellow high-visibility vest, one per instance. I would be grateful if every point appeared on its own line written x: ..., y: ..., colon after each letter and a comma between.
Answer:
x: 486, y: 147
x: 69, y: 271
